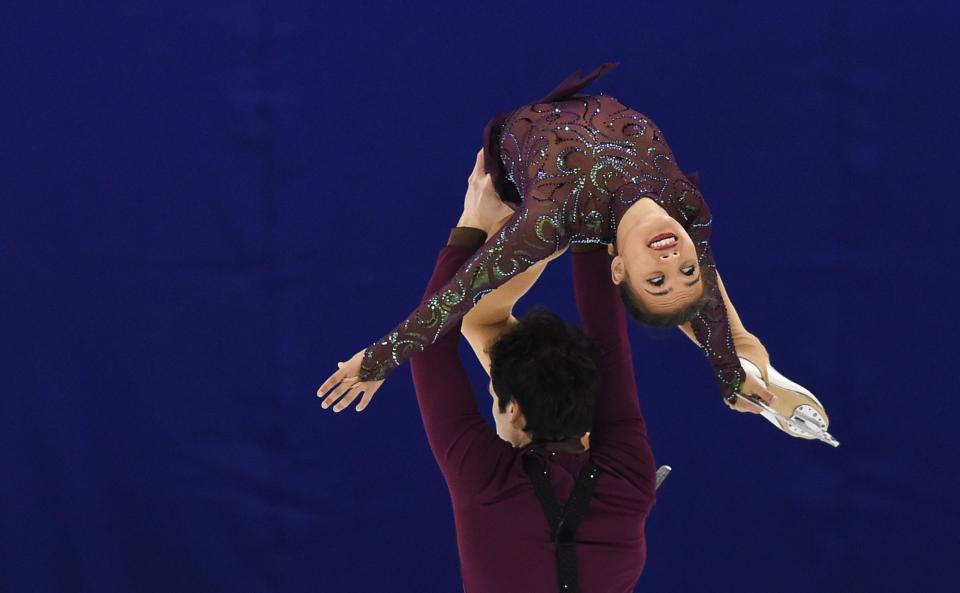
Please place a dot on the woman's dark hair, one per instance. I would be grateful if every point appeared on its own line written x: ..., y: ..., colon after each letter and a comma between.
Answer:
x: 551, y: 370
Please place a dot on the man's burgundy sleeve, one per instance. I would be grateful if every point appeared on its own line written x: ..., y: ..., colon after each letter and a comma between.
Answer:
x: 604, y: 319
x: 619, y: 433
x: 466, y: 447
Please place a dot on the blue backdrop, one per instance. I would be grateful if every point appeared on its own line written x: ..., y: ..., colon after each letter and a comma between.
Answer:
x: 206, y: 206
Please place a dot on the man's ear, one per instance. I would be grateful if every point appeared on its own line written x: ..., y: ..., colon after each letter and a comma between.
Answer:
x: 514, y: 412
x: 617, y: 270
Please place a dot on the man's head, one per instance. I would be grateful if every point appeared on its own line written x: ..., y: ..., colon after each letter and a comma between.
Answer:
x: 657, y: 272
x: 544, y: 379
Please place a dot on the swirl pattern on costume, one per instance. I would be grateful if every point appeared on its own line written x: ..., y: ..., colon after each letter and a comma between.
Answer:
x: 577, y: 163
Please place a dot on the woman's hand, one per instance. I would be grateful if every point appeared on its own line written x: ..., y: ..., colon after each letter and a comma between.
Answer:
x: 751, y: 386
x: 750, y: 348
x: 482, y: 207
x: 347, y: 383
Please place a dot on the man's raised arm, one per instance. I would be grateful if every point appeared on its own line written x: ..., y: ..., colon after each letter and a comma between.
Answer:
x: 604, y: 318
x: 451, y: 417
x: 466, y: 447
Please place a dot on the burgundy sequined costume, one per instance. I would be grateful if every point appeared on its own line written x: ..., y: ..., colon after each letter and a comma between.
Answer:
x: 572, y: 164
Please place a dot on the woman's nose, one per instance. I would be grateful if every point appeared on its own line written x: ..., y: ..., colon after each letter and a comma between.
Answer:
x: 671, y: 254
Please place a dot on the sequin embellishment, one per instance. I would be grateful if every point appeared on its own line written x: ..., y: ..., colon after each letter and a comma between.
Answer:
x: 578, y: 164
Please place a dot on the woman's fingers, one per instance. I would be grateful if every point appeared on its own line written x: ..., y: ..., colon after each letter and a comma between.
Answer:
x: 350, y: 394
x: 345, y: 381
x: 737, y: 406
x: 342, y: 388
x: 754, y: 389
x: 367, y: 396
x: 331, y: 381
x: 355, y: 390
x: 768, y: 397
x: 743, y: 404
x: 761, y: 391
x: 371, y: 387
x: 348, y: 391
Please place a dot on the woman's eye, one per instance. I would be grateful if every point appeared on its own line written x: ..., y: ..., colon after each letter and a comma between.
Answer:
x: 687, y: 271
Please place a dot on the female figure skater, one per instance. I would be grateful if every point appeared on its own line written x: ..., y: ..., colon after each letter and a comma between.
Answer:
x: 588, y: 169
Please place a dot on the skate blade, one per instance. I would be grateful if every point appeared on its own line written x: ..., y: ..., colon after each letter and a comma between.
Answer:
x: 796, y: 403
x: 805, y: 422
x: 793, y: 399
x: 662, y: 473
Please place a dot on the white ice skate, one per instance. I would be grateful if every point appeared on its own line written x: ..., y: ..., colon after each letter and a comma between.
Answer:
x: 796, y: 412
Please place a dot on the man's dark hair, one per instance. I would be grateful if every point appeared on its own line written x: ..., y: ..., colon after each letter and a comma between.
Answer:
x: 551, y: 370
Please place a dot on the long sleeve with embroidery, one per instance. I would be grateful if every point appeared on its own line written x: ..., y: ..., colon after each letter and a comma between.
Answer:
x: 573, y: 165
x: 533, y: 233
x: 711, y: 326
x: 550, y: 214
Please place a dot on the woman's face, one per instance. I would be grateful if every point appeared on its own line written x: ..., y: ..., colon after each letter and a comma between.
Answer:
x: 659, y: 261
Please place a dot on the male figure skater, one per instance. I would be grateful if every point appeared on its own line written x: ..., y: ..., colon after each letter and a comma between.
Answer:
x: 534, y: 511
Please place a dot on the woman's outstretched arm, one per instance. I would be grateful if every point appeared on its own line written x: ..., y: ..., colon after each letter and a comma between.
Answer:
x: 712, y: 326
x: 531, y: 234
x: 747, y: 345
